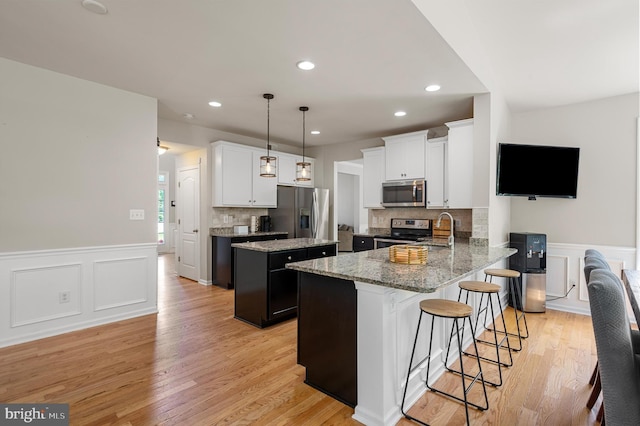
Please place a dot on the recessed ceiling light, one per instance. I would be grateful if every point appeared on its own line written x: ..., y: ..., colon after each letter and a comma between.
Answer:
x: 188, y: 116
x: 315, y: 132
x: 94, y: 6
x: 400, y: 113
x: 432, y: 88
x: 306, y: 65
x: 215, y: 104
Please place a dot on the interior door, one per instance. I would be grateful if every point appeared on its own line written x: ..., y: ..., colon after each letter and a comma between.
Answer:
x: 188, y: 222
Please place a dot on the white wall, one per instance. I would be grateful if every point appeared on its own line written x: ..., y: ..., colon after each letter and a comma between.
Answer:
x: 346, y: 201
x: 77, y: 156
x: 604, y: 212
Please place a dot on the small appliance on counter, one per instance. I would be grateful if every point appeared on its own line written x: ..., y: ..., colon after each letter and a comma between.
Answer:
x: 265, y: 223
x: 240, y: 229
x: 253, y: 228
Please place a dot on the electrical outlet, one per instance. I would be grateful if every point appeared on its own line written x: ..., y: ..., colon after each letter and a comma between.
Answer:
x: 225, y: 218
x: 136, y: 214
x: 64, y: 297
x: 457, y: 223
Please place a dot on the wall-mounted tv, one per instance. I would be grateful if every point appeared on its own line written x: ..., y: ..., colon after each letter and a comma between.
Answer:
x: 537, y: 171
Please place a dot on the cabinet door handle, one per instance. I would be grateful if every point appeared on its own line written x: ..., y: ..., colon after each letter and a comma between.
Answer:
x: 324, y: 253
x: 288, y: 257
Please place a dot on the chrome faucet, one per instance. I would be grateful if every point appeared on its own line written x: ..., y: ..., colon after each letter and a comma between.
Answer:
x: 450, y: 239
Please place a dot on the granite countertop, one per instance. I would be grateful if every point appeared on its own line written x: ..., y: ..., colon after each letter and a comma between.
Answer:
x: 282, y: 245
x: 228, y: 232
x: 444, y: 266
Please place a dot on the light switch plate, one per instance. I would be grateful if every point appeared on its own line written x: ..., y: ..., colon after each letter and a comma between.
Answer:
x: 136, y: 214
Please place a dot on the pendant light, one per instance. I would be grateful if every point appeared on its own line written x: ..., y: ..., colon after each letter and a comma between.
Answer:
x: 303, y: 168
x: 267, y: 162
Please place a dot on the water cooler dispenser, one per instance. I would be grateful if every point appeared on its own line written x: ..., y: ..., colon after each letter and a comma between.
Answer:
x: 531, y: 261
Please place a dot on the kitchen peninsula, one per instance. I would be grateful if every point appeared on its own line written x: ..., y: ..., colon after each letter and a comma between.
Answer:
x: 266, y: 292
x: 364, y: 296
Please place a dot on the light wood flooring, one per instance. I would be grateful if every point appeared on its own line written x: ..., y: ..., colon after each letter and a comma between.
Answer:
x: 194, y: 364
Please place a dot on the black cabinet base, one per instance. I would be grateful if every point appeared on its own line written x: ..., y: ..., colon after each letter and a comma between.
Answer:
x: 263, y: 324
x: 327, y: 335
x: 326, y: 392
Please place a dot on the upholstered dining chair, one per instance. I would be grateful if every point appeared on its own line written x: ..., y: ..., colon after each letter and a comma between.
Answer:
x: 618, y: 364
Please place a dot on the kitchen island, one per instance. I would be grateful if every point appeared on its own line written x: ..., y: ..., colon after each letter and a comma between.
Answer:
x: 222, y: 253
x: 266, y: 292
x: 385, y: 297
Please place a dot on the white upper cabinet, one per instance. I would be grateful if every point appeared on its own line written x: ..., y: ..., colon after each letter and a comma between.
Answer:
x: 287, y: 169
x: 459, y: 165
x: 436, y: 160
x: 405, y: 156
x: 236, y: 177
x: 372, y: 176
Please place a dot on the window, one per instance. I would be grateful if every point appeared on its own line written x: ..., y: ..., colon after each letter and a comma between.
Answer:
x: 163, y: 178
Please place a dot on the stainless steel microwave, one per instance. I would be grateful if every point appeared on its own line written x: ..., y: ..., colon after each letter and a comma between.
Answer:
x: 404, y: 193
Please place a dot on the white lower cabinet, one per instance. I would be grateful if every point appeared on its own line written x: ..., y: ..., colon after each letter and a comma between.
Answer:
x: 373, y: 173
x: 236, y: 177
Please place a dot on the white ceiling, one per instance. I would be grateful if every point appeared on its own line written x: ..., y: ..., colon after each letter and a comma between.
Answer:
x: 373, y: 57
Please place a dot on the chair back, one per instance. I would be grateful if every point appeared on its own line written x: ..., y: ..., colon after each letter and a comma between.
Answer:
x: 594, y: 253
x: 617, y: 362
x: 591, y: 263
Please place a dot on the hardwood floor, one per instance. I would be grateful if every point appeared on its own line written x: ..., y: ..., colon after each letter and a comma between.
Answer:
x: 194, y: 364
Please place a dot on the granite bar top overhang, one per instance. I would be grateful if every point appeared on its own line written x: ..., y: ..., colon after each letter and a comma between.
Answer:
x: 282, y: 245
x: 444, y: 266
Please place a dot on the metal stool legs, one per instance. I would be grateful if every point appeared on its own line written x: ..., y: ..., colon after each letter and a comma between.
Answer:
x: 474, y: 378
x: 480, y: 287
x: 516, y: 300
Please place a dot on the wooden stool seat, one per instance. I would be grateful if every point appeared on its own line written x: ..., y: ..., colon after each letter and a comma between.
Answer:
x: 505, y: 273
x: 479, y: 286
x: 446, y: 308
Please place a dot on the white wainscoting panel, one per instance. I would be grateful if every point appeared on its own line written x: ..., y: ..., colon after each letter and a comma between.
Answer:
x: 119, y: 282
x: 557, y: 275
x: 565, y: 267
x: 49, y: 292
x: 45, y: 293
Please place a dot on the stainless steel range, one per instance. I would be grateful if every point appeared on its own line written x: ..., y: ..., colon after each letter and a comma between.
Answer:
x: 404, y: 231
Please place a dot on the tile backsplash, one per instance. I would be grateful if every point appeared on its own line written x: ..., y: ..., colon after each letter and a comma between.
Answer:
x: 234, y: 215
x: 381, y: 218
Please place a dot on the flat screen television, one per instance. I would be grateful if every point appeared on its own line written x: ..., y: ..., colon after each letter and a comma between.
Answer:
x: 537, y: 171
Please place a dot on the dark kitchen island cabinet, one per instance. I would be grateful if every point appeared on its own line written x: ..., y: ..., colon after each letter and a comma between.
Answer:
x: 265, y: 291
x: 222, y: 254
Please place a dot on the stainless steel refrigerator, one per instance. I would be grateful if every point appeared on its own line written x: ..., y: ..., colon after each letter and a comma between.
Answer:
x: 301, y: 212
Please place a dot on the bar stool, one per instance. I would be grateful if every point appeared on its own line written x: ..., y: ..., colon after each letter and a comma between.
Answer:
x: 488, y: 289
x: 456, y: 311
x: 516, y: 298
